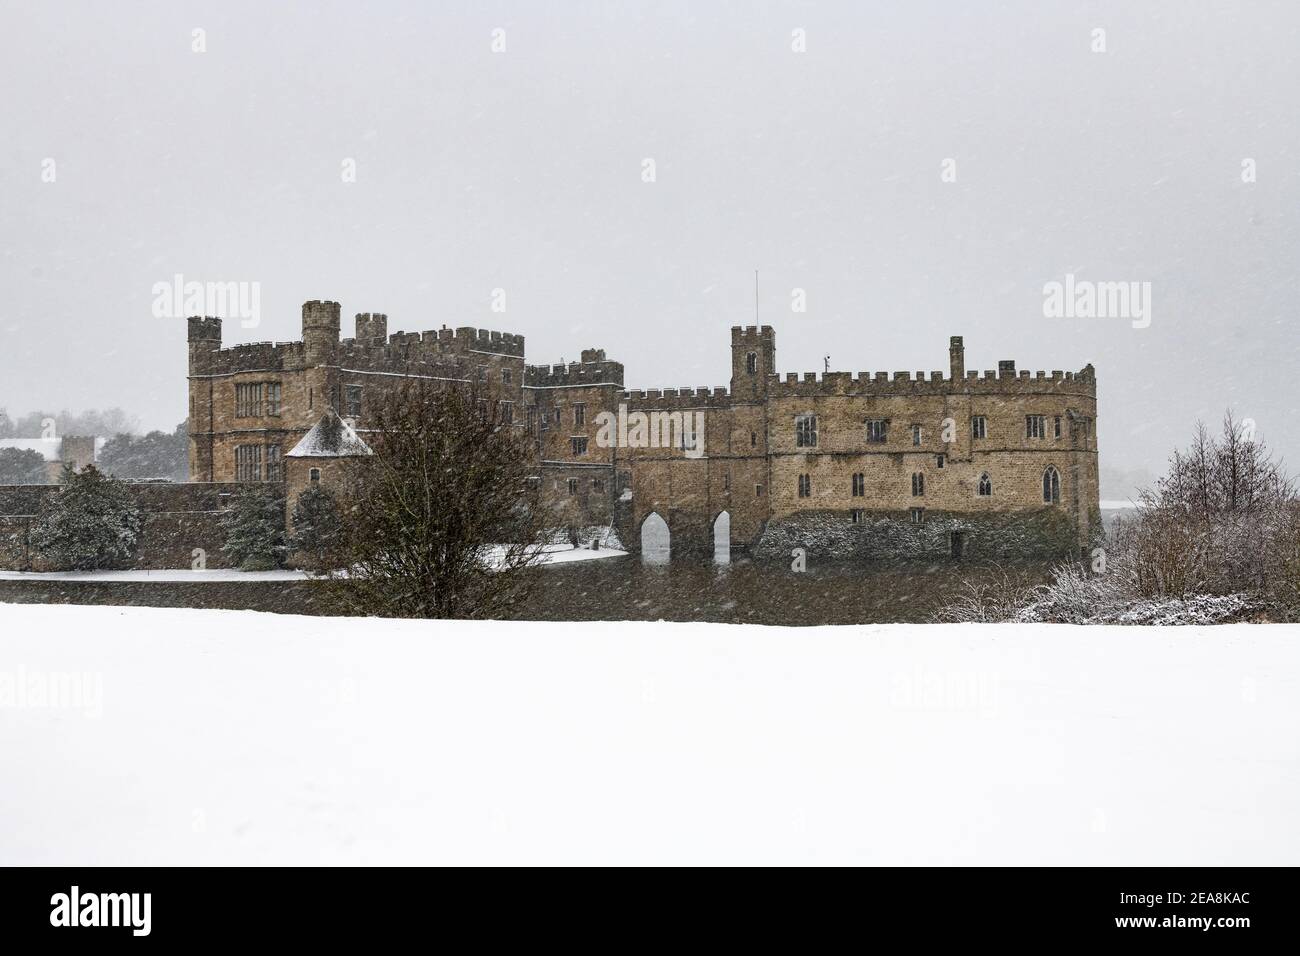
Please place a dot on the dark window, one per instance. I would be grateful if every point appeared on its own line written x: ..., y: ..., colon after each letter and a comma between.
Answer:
x: 482, y: 373
x: 918, y: 484
x: 248, y: 400
x: 985, y: 485
x: 273, y: 398
x: 856, y: 515
x: 1051, y: 485
x: 916, y: 434
x: 273, y: 471
x: 482, y: 410
x: 573, y: 486
x: 805, y: 431
x: 531, y: 412
x: 314, y: 476
x: 918, y: 515
x: 598, y: 484
x: 751, y: 363
x: 505, y: 376
x: 579, y: 413
x: 506, y: 412
x: 805, y: 486
x: 579, y: 444
x: 978, y: 427
x: 248, y: 463
x: 938, y: 461
x: 877, y: 430
x: 1056, y: 427
x: 758, y: 491
x: 859, y: 485
x: 352, y: 401
x: 753, y: 439
x: 1035, y: 426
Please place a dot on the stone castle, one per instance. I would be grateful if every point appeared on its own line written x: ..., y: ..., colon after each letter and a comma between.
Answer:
x: 1000, y: 464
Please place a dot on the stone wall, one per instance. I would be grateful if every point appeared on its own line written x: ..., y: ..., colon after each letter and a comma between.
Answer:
x: 179, y: 517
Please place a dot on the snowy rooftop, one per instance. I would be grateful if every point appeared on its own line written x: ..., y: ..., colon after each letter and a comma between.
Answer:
x: 331, y: 437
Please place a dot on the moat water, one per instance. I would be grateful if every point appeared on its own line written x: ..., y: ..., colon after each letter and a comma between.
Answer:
x: 617, y: 589
x: 748, y: 592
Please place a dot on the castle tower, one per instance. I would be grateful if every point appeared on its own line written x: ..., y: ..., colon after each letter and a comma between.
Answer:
x: 753, y: 359
x: 204, y: 339
x: 320, y: 349
x: 204, y: 342
x: 320, y: 332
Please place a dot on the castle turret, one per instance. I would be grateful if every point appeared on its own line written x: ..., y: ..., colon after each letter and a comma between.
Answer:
x: 320, y: 332
x: 372, y: 328
x: 956, y: 358
x: 753, y: 359
x: 204, y: 339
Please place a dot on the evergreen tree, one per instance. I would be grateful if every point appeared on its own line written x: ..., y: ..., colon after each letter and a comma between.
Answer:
x: 254, y: 529
x: 315, y: 526
x: 155, y: 455
x: 91, y: 522
x: 21, y: 466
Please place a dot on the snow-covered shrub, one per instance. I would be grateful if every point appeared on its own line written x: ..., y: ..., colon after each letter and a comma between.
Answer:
x: 1077, y: 595
x: 986, y: 600
x: 92, y: 522
x: 254, y: 529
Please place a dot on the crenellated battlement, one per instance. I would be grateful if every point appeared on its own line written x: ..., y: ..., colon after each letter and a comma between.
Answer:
x: 752, y: 333
x: 1005, y: 380
x: 255, y: 357
x: 593, y: 372
x: 204, y: 328
x: 678, y: 398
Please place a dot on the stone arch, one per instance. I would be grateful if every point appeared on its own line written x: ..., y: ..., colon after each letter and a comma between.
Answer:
x: 722, y: 538
x: 656, y: 539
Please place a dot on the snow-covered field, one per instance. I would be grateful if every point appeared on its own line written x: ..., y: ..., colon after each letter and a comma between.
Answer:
x: 236, y: 737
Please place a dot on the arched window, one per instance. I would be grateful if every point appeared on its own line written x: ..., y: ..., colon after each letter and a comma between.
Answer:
x: 918, y: 485
x: 314, y: 476
x: 1051, y: 485
x: 985, y: 486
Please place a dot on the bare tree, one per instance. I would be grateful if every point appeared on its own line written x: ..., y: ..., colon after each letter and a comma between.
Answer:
x: 1223, y: 520
x: 442, y: 520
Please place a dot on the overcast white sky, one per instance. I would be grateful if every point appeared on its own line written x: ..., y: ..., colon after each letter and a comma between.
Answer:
x: 522, y: 170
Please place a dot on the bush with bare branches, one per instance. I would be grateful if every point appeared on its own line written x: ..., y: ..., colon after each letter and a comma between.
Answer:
x: 441, y: 520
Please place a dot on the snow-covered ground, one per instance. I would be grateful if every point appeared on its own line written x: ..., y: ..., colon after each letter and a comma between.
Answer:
x: 554, y: 554
x: 237, y: 737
